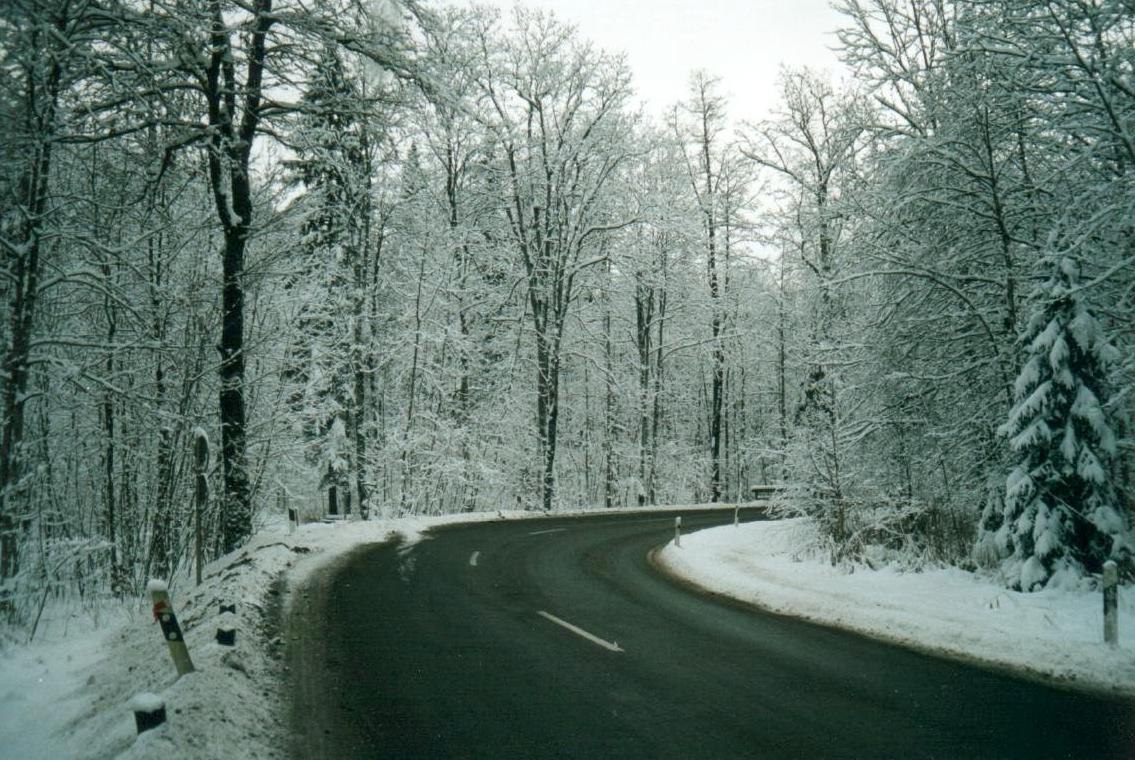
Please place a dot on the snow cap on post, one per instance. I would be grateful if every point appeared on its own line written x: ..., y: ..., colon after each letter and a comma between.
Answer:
x: 149, y: 711
x: 147, y: 702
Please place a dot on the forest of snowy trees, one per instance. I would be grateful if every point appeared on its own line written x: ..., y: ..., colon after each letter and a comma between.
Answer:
x: 397, y: 259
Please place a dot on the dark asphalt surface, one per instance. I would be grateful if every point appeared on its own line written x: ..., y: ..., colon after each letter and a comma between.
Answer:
x: 416, y: 653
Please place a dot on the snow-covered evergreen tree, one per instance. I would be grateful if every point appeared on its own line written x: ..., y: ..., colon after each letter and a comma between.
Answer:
x: 330, y: 356
x: 1060, y: 517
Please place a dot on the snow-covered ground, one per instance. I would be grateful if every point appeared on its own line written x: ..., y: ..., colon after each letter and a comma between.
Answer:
x: 1056, y: 635
x: 68, y: 694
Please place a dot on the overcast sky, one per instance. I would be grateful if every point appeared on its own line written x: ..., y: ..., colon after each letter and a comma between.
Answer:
x: 741, y: 41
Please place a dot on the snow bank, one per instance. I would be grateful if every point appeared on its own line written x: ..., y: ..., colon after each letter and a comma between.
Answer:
x: 1057, y: 635
x: 72, y: 693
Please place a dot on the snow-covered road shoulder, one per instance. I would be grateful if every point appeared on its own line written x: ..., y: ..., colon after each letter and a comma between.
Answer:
x: 68, y: 694
x: 1056, y: 635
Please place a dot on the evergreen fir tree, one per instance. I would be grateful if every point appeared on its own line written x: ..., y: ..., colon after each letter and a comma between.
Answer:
x: 1060, y: 517
x: 329, y: 166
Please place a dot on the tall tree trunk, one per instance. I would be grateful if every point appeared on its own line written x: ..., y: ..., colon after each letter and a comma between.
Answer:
x: 406, y: 460
x: 130, y: 527
x: 709, y: 211
x: 377, y: 415
x: 726, y: 433
x: 361, y: 334
x: 742, y: 425
x: 332, y: 491
x: 237, y: 521
x: 359, y: 420
x: 23, y: 269
x: 160, y: 555
x: 110, y: 442
x: 462, y: 258
x: 716, y: 397
x: 609, y: 398
x: 656, y: 410
x: 644, y: 315
x: 229, y: 156
x: 547, y: 410
x: 782, y: 361
x: 588, y: 435
x: 549, y: 326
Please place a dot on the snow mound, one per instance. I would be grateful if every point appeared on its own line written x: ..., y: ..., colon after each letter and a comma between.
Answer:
x: 1055, y: 634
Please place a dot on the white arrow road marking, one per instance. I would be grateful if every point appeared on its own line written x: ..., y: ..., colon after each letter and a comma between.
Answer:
x: 550, y: 530
x: 610, y: 646
x: 473, y: 559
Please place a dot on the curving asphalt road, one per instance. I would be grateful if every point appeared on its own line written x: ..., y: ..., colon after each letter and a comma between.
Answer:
x: 556, y: 638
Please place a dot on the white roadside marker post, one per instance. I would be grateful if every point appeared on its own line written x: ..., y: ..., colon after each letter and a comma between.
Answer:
x: 171, y: 631
x: 1111, y: 603
x: 737, y: 516
x: 678, y: 530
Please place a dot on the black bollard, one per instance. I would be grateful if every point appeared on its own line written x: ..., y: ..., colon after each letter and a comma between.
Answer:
x: 149, y: 711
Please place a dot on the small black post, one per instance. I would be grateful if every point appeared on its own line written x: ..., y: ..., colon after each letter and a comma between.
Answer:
x: 149, y: 711
x: 332, y: 492
x: 226, y: 628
